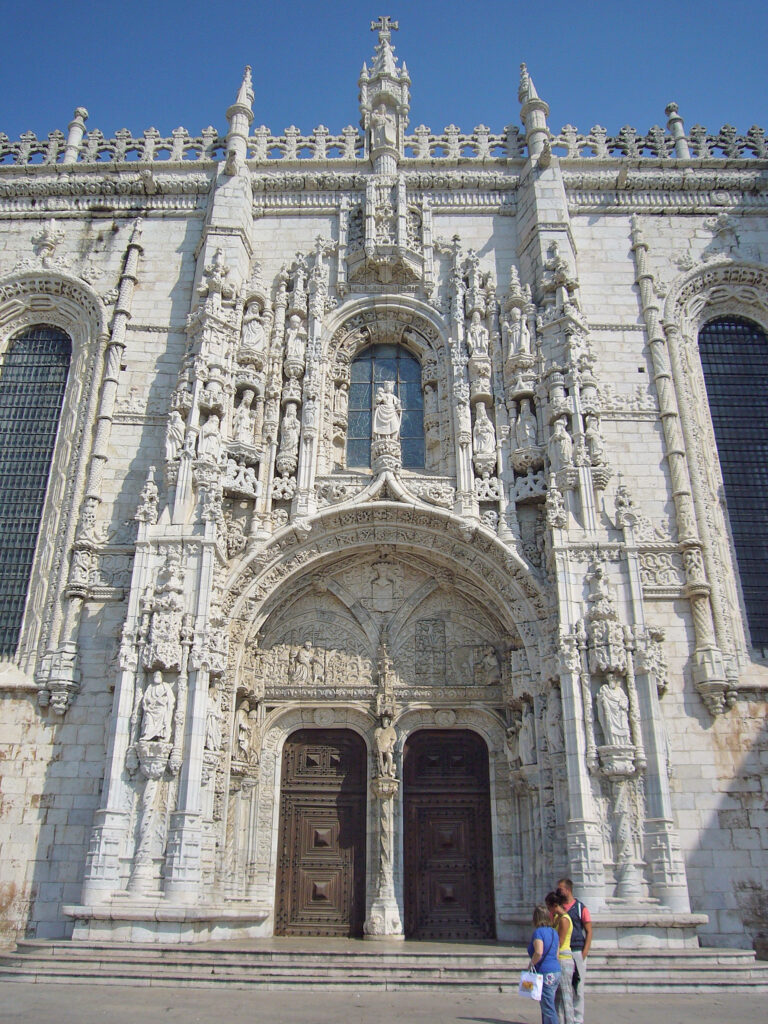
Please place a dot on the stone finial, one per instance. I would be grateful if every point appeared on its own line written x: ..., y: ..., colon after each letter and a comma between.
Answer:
x: 533, y: 113
x: 240, y: 116
x: 76, y: 130
x: 676, y: 128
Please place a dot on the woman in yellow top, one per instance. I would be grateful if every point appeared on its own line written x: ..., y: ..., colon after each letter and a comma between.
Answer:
x: 563, y: 925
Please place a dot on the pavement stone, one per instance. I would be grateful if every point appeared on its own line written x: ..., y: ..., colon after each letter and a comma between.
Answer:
x: 83, y: 1004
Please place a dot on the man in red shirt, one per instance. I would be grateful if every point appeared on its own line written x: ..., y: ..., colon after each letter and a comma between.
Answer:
x: 581, y: 940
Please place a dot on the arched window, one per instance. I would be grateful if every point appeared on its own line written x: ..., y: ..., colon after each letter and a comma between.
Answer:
x: 734, y: 357
x: 33, y: 374
x: 370, y: 369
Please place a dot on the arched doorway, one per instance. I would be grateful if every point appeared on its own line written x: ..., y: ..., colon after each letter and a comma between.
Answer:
x: 448, y: 861
x: 321, y: 843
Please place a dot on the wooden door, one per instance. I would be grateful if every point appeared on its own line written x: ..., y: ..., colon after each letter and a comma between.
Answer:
x: 321, y: 851
x: 447, y: 837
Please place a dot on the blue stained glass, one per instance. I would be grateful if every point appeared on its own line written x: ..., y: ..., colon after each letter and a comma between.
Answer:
x: 360, y: 424
x: 384, y: 369
x: 33, y: 375
x: 360, y: 396
x: 358, y: 452
x: 361, y: 368
x: 412, y: 425
x: 413, y: 452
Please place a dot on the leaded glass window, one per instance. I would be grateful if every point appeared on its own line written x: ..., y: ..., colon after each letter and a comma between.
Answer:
x: 734, y: 356
x: 370, y: 369
x: 33, y: 374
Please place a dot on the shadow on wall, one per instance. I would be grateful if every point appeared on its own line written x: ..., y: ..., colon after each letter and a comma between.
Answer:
x: 71, y: 789
x: 731, y: 858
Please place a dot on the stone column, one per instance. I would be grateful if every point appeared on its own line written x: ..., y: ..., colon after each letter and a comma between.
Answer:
x: 383, y: 921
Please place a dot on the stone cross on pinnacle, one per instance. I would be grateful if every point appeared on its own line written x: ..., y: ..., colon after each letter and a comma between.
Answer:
x: 385, y: 27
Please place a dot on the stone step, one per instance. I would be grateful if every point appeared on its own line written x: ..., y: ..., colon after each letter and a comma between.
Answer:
x: 344, y: 964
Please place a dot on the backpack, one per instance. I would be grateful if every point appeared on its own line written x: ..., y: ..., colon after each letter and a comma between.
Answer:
x: 578, y: 937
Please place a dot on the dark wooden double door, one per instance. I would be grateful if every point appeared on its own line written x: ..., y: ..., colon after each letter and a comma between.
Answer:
x: 448, y: 875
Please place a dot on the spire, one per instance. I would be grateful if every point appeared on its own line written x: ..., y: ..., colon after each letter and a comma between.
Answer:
x: 245, y: 94
x: 533, y: 113
x: 384, y: 99
x: 239, y: 115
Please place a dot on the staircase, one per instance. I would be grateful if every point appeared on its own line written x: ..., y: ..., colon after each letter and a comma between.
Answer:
x: 328, y: 964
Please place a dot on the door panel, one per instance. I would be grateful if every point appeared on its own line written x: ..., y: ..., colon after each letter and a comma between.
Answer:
x: 321, y: 867
x: 447, y: 841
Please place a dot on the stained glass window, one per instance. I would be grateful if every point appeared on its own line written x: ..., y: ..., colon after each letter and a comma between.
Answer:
x: 734, y: 356
x: 33, y: 374
x: 371, y: 368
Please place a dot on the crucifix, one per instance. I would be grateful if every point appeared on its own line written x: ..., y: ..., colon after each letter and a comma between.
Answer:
x: 385, y: 27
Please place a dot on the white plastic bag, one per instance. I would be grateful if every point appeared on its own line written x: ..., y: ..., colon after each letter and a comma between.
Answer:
x: 531, y: 985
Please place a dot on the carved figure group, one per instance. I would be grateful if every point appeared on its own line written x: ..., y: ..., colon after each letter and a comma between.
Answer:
x: 307, y: 666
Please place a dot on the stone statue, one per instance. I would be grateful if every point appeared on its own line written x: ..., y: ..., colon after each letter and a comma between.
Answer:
x: 554, y: 723
x: 477, y: 336
x: 560, y: 447
x: 519, y: 334
x: 254, y: 335
x: 594, y: 439
x: 157, y: 704
x: 243, y: 732
x: 385, y: 737
x: 341, y: 400
x: 302, y: 669
x: 383, y: 128
x: 212, y: 723
x: 174, y: 436
x: 295, y: 339
x: 483, y: 435
x: 488, y: 669
x: 612, y: 713
x: 388, y: 413
x: 289, y: 431
x: 527, y: 737
x: 210, y: 439
x: 526, y: 429
x: 242, y: 421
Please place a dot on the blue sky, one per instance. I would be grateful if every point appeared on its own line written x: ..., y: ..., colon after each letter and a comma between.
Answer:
x: 178, y: 62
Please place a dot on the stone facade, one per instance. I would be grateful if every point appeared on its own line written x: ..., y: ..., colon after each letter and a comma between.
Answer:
x: 211, y: 575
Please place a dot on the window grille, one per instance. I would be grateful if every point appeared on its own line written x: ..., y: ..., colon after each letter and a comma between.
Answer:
x: 33, y: 374
x: 370, y: 369
x: 734, y: 356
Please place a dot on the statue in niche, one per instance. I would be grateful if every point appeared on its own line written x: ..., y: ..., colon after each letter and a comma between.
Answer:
x: 310, y: 413
x: 254, y: 335
x: 483, y: 435
x: 174, y: 436
x: 157, y: 704
x: 526, y: 427
x: 212, y: 723
x: 388, y: 413
x: 383, y: 127
x: 385, y: 738
x: 341, y: 400
x: 519, y: 334
x: 477, y: 336
x: 430, y: 401
x: 289, y: 431
x: 612, y: 713
x: 527, y: 737
x: 243, y: 734
x: 303, y: 668
x: 594, y: 439
x: 295, y: 339
x: 560, y: 447
x: 488, y: 672
x: 554, y: 723
x: 210, y: 439
x: 382, y: 590
x: 242, y: 421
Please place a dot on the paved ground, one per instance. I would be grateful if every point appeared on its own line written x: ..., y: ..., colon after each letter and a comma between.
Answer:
x: 81, y: 1004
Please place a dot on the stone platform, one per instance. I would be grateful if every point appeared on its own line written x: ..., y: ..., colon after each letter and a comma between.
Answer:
x: 306, y: 964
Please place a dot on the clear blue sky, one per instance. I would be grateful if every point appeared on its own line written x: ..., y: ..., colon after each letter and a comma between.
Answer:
x: 178, y: 62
